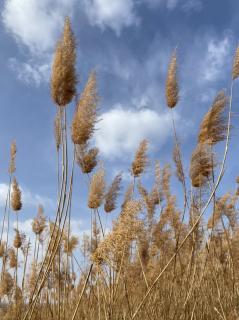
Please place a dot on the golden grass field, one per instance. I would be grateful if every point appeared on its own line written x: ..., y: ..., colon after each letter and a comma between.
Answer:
x: 159, y: 260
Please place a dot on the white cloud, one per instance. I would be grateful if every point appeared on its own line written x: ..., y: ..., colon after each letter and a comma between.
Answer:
x: 35, y: 23
x: 30, y: 71
x: 120, y: 130
x: 29, y: 199
x: 216, y: 57
x: 113, y: 14
x: 172, y: 4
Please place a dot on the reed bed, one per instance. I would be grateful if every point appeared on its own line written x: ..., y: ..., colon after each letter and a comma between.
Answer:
x: 165, y: 256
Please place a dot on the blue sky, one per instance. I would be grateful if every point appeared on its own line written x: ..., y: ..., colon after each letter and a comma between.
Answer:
x: 129, y: 44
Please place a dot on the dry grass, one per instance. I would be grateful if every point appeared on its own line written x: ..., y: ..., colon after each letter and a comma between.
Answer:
x: 164, y: 257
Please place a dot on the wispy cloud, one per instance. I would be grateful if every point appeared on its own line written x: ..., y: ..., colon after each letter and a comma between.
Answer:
x: 120, y: 130
x: 113, y: 14
x: 173, y: 4
x: 30, y: 71
x: 35, y: 25
x: 217, y: 54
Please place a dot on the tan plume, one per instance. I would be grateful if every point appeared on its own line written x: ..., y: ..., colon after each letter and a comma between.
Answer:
x: 172, y: 90
x: 97, y: 189
x: 214, y: 125
x: 112, y: 194
x: 85, y: 117
x: 16, y: 197
x: 140, y: 160
x: 63, y: 79
x: 235, y: 69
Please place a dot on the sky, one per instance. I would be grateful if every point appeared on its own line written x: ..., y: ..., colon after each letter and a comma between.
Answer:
x: 129, y: 44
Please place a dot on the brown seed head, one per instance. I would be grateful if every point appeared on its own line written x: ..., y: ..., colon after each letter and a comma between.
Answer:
x: 128, y: 195
x: 12, y: 258
x: 70, y: 244
x: 17, y: 240
x: 13, y: 152
x: 85, y: 117
x: 235, y: 69
x: 16, y: 201
x: 112, y: 194
x: 202, y: 163
x: 6, y: 284
x: 172, y: 91
x: 63, y: 79
x: 140, y: 160
x: 97, y: 189
x: 125, y: 230
x: 213, y: 128
x: 39, y: 222
x: 87, y: 160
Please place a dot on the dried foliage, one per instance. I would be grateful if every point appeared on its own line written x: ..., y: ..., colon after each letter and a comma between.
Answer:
x: 159, y: 255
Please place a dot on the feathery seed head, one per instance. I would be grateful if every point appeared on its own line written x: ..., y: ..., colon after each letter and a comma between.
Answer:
x: 16, y: 200
x: 112, y: 194
x: 17, y: 240
x: 235, y: 69
x: 6, y: 284
x: 12, y: 258
x: 202, y: 163
x: 39, y: 222
x: 85, y: 117
x: 13, y: 152
x: 63, y: 80
x: 140, y: 160
x: 87, y: 160
x: 172, y: 90
x: 214, y: 125
x: 97, y: 189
